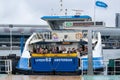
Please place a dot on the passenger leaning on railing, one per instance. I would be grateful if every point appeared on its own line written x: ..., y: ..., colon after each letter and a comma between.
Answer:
x: 54, y: 50
x: 64, y: 50
x: 34, y: 50
x: 61, y: 49
x: 40, y: 50
x: 80, y: 51
x: 69, y: 50
x: 45, y: 51
x: 73, y: 50
x: 85, y: 50
x: 37, y: 50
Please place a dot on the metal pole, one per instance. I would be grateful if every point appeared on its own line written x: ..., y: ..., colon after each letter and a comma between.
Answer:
x: 90, y: 56
x: 94, y: 13
x: 10, y: 26
x: 21, y: 43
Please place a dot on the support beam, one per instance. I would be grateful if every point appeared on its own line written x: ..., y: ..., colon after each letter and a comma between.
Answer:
x: 11, y: 26
x: 90, y: 55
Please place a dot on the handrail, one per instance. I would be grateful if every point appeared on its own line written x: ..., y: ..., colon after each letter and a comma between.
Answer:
x: 107, y: 69
x: 54, y: 55
x: 6, y: 66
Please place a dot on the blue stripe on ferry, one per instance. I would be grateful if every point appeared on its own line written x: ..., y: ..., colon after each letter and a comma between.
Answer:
x: 97, y: 63
x: 94, y: 58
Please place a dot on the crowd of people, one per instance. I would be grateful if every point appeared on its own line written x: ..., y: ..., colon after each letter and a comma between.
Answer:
x: 82, y: 50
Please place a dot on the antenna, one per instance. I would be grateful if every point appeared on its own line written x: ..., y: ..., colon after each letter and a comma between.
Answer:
x: 61, y: 7
x: 66, y: 12
x: 77, y: 12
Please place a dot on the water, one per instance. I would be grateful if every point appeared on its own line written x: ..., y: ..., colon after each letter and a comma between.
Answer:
x: 100, y: 77
x: 57, y: 77
x: 38, y: 77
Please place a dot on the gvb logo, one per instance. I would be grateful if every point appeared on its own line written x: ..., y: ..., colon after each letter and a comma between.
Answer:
x: 101, y: 3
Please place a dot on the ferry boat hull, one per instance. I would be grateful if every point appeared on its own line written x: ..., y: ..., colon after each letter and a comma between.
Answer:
x: 51, y: 64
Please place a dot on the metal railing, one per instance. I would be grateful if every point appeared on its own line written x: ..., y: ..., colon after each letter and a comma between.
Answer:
x: 106, y: 69
x: 6, y: 66
x: 115, y: 68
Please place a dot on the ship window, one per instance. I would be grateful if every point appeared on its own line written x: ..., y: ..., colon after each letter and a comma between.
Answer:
x: 56, y: 24
x: 65, y: 36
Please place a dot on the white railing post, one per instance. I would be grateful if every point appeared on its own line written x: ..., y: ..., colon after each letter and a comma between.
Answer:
x: 114, y: 68
x: 8, y: 65
x: 5, y: 66
x: 106, y: 68
x: 11, y: 66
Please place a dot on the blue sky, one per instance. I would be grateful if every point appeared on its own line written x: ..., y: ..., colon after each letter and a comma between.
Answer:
x: 30, y: 11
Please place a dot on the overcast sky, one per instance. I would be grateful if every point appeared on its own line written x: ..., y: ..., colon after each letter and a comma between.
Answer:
x: 30, y: 11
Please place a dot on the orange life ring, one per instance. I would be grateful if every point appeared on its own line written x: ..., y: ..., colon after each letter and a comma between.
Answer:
x: 78, y: 35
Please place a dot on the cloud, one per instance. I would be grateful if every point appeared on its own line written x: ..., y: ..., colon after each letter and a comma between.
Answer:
x: 18, y: 12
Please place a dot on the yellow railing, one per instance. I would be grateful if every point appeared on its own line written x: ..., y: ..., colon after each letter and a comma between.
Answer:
x: 54, y: 55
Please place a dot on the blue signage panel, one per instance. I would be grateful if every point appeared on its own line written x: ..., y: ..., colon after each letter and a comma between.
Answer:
x: 41, y: 64
x: 65, y: 64
x: 54, y: 64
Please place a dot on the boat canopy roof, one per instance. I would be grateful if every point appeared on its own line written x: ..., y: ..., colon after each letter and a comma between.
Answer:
x: 65, y: 17
x: 58, y: 22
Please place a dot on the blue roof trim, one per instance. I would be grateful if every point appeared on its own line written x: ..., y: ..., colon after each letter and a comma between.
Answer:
x: 63, y: 17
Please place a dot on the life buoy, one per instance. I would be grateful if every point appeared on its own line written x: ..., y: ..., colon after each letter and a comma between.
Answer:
x: 78, y: 35
x: 54, y: 36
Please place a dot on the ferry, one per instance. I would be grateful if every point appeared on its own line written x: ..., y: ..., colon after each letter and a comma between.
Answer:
x: 61, y: 49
